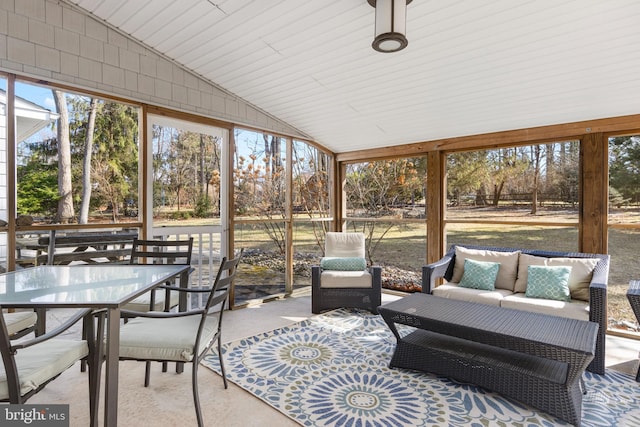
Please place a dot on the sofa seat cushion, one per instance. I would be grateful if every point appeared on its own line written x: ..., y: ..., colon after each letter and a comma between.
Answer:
x: 579, y: 279
x: 575, y: 309
x: 507, y: 273
x: 453, y: 291
x: 345, y: 279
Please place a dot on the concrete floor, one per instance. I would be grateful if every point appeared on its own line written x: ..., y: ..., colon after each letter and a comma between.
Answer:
x: 168, y: 400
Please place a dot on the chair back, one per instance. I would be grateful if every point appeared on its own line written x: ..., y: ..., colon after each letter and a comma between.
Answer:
x: 161, y: 251
x: 222, y: 283
x: 344, y: 245
x: 218, y: 296
x: 10, y: 368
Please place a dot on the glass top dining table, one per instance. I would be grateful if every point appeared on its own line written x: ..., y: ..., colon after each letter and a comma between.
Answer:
x: 98, y: 286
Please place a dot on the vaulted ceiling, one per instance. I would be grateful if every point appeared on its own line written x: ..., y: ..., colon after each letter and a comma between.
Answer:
x: 471, y: 67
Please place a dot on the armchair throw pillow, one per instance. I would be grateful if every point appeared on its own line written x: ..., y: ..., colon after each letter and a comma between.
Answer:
x: 343, y: 263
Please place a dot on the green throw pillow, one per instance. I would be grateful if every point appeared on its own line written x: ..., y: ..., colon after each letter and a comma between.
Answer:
x: 343, y: 263
x: 479, y: 275
x: 548, y: 282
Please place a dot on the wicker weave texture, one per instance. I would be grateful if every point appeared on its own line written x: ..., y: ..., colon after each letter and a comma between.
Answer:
x: 633, y: 295
x: 443, y: 268
x: 535, y: 358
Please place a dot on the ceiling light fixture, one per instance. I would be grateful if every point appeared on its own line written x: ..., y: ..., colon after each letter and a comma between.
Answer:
x: 391, y: 23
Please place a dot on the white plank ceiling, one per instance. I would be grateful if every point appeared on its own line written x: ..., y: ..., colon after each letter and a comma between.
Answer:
x: 471, y: 67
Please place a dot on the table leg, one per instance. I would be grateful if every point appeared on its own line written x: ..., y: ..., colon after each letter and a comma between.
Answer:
x: 182, y: 306
x: 111, y: 372
x: 95, y: 338
x: 41, y: 322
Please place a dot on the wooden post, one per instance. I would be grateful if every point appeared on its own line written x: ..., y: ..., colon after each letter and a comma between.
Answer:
x: 594, y: 193
x: 435, y: 202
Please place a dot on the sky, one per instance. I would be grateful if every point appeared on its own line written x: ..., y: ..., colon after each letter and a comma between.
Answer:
x: 36, y: 94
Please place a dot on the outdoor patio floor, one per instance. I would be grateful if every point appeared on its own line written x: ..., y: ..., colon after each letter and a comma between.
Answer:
x: 168, y: 400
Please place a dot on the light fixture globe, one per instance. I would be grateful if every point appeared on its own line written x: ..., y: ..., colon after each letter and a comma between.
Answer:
x: 391, y: 23
x: 389, y: 42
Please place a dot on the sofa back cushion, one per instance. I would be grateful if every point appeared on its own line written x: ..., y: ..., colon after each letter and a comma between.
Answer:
x: 507, y: 273
x: 579, y: 279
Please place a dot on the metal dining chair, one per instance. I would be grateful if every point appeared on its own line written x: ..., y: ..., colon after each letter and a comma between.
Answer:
x: 29, y: 365
x: 176, y: 252
x: 148, y: 251
x: 20, y: 323
x: 181, y: 336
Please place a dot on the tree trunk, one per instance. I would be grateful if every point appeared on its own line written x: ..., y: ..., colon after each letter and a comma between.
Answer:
x: 86, y: 163
x: 203, y: 176
x: 497, y: 192
x: 65, y: 204
x: 536, y: 178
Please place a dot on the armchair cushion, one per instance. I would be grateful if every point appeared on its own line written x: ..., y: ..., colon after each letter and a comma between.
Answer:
x: 343, y: 263
x: 344, y: 245
x: 41, y: 362
x: 345, y: 279
x: 507, y: 273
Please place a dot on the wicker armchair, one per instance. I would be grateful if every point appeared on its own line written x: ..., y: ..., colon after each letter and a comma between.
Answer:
x: 342, y: 279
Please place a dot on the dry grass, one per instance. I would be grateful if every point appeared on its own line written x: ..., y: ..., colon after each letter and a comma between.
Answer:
x: 403, y: 246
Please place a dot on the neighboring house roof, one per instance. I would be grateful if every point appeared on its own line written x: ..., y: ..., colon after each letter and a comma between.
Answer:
x: 30, y: 117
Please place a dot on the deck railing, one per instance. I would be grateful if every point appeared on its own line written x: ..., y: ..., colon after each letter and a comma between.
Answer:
x: 207, y: 250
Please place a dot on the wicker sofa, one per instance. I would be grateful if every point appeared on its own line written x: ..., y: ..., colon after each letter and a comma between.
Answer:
x: 587, y: 284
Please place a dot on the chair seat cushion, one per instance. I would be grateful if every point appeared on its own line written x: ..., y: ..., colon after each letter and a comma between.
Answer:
x: 345, y: 279
x: 143, y: 302
x: 452, y: 290
x: 20, y: 320
x: 165, y: 339
x: 42, y: 362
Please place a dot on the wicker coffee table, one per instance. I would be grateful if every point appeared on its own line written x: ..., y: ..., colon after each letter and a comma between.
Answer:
x: 535, y: 358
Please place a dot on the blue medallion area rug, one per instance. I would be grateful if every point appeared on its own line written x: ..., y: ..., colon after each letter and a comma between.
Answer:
x: 332, y: 370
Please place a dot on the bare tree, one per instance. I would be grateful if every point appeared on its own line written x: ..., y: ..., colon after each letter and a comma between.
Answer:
x: 536, y: 154
x: 65, y: 203
x: 86, y: 162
